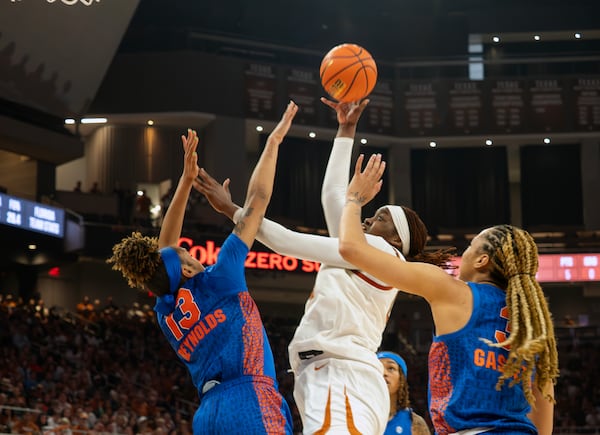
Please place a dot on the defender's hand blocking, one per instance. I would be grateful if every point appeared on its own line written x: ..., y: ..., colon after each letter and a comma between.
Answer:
x: 217, y: 194
x: 367, y: 183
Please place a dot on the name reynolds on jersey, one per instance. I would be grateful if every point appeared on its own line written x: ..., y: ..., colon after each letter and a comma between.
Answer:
x: 200, y: 330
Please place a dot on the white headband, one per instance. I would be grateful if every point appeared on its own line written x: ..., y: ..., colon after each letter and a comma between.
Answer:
x: 401, y: 224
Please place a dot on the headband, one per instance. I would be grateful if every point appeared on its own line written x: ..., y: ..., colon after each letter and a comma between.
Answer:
x: 401, y: 224
x: 173, y: 266
x: 396, y: 358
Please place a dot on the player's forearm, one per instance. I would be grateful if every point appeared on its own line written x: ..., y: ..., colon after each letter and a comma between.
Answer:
x: 229, y: 210
x: 346, y: 130
x: 259, y: 193
x: 335, y: 183
x: 352, y: 237
x: 260, y: 187
x: 172, y: 225
x: 543, y: 414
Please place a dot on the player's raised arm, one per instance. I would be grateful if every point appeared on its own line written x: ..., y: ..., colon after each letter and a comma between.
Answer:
x: 260, y: 186
x: 413, y: 277
x: 335, y: 182
x: 170, y: 230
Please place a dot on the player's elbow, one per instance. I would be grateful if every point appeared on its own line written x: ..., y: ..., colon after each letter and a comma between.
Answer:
x: 327, y: 197
x: 350, y: 251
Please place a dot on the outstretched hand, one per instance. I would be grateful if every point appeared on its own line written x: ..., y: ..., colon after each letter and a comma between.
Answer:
x: 284, y: 124
x: 190, y: 157
x: 347, y: 113
x: 365, y: 184
x: 217, y: 194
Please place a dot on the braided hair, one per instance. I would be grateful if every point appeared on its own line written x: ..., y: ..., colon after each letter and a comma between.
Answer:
x: 138, y: 259
x: 418, y: 242
x: 514, y: 259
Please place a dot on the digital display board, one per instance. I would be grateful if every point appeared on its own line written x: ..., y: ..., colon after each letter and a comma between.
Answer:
x: 552, y: 267
x: 565, y: 267
x: 569, y: 267
x: 31, y: 216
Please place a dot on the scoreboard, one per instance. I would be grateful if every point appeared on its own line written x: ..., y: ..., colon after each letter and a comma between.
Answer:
x: 32, y: 216
x: 565, y: 267
x: 569, y: 267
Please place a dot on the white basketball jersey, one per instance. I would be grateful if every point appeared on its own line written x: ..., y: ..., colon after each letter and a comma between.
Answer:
x: 344, y: 317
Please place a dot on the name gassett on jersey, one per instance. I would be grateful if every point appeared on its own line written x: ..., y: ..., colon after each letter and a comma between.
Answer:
x: 201, y: 329
x: 490, y: 359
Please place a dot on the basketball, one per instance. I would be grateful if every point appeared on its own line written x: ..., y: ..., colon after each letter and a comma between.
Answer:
x: 348, y: 72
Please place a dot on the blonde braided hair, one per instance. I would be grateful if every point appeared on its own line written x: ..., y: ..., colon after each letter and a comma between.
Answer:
x: 514, y: 259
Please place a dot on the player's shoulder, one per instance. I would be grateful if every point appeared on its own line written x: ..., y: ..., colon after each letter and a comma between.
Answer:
x: 382, y: 244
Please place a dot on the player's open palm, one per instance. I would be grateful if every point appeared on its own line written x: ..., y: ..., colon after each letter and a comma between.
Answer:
x: 365, y: 184
x: 282, y: 128
x: 190, y: 157
x: 347, y: 113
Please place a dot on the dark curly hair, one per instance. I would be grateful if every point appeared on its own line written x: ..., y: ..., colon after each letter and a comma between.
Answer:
x: 138, y: 259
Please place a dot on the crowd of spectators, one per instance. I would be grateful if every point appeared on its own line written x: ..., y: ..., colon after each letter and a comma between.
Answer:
x: 108, y: 370
x: 111, y: 372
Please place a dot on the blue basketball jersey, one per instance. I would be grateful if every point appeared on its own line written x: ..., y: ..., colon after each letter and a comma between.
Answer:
x: 464, y: 371
x: 215, y: 328
x: 401, y: 423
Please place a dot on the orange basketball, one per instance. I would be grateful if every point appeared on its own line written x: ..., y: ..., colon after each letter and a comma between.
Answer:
x: 348, y: 72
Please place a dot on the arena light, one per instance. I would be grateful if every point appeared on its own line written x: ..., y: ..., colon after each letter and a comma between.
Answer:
x: 496, y: 39
x: 489, y: 142
x: 72, y: 2
x: 69, y: 121
x: 432, y: 144
x: 259, y: 128
x: 363, y: 141
x: 94, y: 120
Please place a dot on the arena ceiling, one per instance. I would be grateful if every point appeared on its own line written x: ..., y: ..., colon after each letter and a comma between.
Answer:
x: 391, y: 29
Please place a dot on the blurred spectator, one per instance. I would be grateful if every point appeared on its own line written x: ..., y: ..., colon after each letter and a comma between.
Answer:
x: 141, y: 211
x: 26, y: 425
x: 95, y: 188
x: 124, y: 204
x: 110, y: 306
x: 85, y: 308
